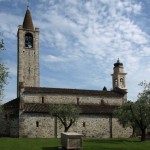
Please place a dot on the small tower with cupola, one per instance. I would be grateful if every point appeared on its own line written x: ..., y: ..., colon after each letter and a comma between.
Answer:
x: 119, y: 76
x: 28, y: 54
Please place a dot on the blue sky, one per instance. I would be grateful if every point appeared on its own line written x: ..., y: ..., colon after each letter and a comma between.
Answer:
x: 80, y: 40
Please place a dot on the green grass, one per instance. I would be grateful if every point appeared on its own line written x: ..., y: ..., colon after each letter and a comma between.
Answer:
x: 88, y: 144
x: 115, y: 144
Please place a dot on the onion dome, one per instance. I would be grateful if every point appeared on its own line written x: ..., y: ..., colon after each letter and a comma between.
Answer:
x: 118, y: 64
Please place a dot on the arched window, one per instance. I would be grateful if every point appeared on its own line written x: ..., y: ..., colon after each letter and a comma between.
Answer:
x: 28, y: 40
x: 121, y: 82
x: 115, y: 82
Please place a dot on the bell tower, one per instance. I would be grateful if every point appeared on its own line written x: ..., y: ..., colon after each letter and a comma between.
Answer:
x: 118, y: 76
x: 28, y: 54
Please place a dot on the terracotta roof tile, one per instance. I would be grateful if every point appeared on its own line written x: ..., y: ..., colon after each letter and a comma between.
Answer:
x: 12, y: 104
x: 12, y: 107
x: 97, y: 109
x: 36, y: 107
x: 85, y: 109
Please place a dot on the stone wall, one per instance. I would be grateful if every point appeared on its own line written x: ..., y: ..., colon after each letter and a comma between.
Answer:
x: 90, y: 126
x: 14, y: 127
x: 119, y: 131
x: 72, y: 99
x: 4, y: 128
x: 33, y: 125
x: 9, y: 126
x: 97, y: 126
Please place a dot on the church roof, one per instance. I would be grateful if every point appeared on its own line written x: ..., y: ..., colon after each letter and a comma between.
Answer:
x: 12, y: 104
x: 12, y: 107
x: 97, y: 109
x: 64, y: 91
x: 85, y: 109
x: 27, y: 23
x: 44, y: 108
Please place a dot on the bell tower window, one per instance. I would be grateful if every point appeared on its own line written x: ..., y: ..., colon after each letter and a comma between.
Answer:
x: 28, y: 40
x: 115, y: 82
x: 121, y: 82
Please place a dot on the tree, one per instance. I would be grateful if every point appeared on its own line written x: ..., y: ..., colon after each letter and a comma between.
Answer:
x: 66, y: 113
x: 137, y: 114
x: 3, y: 71
x: 125, y: 117
x: 141, y: 110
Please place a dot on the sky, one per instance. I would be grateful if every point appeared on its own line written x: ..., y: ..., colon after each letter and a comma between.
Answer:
x: 80, y: 40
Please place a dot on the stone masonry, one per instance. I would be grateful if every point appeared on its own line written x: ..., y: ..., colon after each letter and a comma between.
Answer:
x: 93, y: 126
x: 72, y: 99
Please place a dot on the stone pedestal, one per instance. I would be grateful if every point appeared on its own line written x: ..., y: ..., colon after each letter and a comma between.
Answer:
x: 71, y: 140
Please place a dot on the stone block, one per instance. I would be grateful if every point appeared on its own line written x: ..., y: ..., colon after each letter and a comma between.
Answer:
x: 71, y: 140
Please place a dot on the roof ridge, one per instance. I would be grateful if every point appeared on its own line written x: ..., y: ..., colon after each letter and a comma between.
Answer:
x: 40, y: 90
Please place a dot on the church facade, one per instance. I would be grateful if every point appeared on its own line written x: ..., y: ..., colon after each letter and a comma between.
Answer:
x: 28, y: 114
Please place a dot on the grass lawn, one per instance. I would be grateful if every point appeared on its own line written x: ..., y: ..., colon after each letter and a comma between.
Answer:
x: 88, y: 144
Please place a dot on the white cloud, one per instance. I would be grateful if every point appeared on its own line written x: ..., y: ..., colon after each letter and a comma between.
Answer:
x: 146, y: 51
x: 12, y: 68
x: 90, y: 35
x: 100, y: 29
x: 51, y: 58
x: 94, y: 38
x: 9, y: 25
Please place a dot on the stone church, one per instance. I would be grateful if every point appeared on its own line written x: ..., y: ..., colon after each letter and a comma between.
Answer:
x: 28, y: 114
